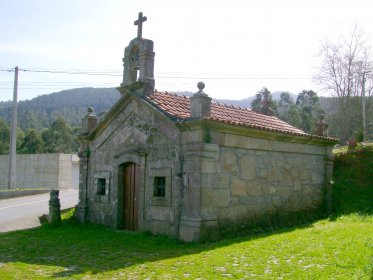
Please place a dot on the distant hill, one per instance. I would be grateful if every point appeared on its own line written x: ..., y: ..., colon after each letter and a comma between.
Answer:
x: 5, y: 104
x: 246, y: 102
x: 41, y: 111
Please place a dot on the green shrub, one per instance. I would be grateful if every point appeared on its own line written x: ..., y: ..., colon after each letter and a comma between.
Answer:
x: 353, y: 182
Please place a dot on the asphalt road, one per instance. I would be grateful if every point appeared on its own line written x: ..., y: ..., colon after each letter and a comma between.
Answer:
x: 23, y: 212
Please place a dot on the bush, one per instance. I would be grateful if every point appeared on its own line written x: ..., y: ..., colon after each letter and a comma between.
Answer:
x: 353, y: 182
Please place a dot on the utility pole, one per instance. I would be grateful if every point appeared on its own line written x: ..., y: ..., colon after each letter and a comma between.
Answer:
x: 363, y: 109
x: 13, y: 137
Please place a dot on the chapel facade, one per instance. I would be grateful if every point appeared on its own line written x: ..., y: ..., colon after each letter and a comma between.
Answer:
x: 192, y: 168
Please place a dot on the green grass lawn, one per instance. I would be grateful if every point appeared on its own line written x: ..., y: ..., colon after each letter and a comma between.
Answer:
x: 340, y: 247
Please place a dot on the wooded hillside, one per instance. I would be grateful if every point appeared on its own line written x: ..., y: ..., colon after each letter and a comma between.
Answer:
x: 42, y: 111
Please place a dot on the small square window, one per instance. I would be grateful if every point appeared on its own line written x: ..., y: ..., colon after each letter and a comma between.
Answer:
x: 101, y: 186
x: 159, y: 186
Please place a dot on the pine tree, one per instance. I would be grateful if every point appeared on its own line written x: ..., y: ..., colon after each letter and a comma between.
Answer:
x: 32, y: 143
x: 4, y: 137
x: 264, y: 103
x: 59, y: 138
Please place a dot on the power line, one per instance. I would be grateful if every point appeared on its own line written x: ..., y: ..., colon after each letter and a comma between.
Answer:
x: 7, y: 70
x: 113, y: 73
x: 77, y: 72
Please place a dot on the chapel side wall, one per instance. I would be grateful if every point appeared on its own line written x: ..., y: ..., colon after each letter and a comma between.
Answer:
x: 145, y: 137
x: 270, y: 181
x: 247, y: 181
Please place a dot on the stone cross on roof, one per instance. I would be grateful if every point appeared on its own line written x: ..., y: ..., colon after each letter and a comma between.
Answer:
x: 139, y: 22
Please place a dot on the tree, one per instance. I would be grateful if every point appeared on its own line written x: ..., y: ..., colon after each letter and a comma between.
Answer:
x: 4, y: 137
x: 288, y: 111
x: 293, y: 116
x: 5, y: 133
x: 264, y: 103
x: 346, y: 72
x: 309, y: 109
x: 20, y: 134
x: 256, y: 104
x: 284, y: 103
x: 32, y: 143
x: 59, y: 138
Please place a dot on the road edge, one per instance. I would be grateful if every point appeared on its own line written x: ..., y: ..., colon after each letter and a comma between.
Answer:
x: 11, y: 194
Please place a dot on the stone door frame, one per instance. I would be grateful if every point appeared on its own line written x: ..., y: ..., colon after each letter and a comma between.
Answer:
x: 121, y: 161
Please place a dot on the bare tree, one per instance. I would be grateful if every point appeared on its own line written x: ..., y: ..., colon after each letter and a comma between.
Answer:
x: 345, y: 72
x: 366, y: 87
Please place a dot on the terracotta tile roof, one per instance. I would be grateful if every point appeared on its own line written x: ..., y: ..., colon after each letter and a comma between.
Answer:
x: 179, y: 108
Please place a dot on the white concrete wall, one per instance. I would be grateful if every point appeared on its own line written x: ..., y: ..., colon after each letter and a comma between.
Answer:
x: 75, y: 172
x: 36, y: 171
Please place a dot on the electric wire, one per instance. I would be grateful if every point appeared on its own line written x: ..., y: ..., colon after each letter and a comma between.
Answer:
x: 175, y: 78
x: 113, y: 73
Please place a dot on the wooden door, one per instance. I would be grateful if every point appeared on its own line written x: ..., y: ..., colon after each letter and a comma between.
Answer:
x: 130, y: 196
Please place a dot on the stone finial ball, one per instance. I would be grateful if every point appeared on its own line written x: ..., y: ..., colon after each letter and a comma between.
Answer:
x: 201, y: 85
x: 90, y: 110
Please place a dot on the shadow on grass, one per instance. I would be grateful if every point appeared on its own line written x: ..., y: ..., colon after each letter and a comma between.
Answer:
x: 88, y: 248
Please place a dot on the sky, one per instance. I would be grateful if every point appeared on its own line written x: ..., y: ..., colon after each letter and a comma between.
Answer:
x: 235, y: 47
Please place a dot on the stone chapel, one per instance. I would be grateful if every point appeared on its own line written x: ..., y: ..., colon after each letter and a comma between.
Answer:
x: 192, y: 168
